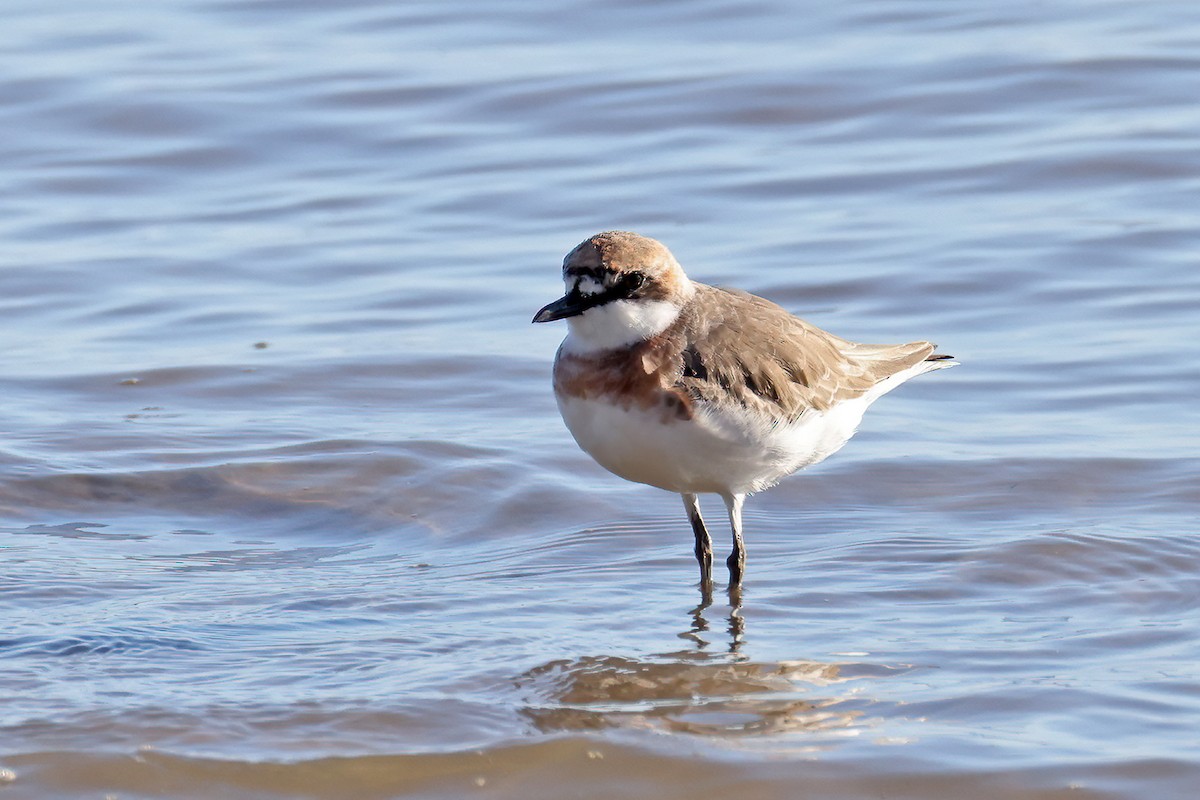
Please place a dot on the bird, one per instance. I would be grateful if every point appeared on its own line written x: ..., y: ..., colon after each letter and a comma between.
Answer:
x: 699, y: 389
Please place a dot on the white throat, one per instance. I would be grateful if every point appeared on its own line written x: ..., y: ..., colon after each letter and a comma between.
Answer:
x: 620, y: 323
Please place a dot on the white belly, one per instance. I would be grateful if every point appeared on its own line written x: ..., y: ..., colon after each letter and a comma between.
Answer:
x: 726, y: 451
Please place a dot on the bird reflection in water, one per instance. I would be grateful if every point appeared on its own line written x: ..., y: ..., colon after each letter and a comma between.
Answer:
x: 702, y: 690
x: 736, y: 627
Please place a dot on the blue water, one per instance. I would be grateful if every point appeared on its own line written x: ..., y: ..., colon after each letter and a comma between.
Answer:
x: 286, y: 507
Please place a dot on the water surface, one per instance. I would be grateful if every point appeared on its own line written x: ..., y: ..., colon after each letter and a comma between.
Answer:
x: 286, y: 507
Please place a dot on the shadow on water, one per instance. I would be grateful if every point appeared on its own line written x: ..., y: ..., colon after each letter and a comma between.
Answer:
x: 711, y: 689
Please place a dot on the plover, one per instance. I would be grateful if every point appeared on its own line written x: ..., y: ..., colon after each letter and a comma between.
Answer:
x: 700, y: 389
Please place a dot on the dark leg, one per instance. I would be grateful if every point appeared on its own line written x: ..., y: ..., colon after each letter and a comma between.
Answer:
x: 704, y: 553
x: 737, y: 559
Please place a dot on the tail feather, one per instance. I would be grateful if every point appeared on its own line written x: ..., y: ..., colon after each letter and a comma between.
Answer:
x: 895, y: 364
x: 885, y: 360
x: 941, y: 361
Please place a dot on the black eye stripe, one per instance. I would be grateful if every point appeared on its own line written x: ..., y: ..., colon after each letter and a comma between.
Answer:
x: 632, y: 281
x: 625, y: 288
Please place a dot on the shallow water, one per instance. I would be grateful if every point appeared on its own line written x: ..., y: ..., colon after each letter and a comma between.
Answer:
x: 287, y: 508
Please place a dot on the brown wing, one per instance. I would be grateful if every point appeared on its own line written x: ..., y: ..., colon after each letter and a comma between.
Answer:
x: 736, y: 344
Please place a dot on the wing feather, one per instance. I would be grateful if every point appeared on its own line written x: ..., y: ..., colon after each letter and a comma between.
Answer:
x: 722, y: 336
